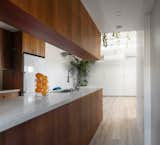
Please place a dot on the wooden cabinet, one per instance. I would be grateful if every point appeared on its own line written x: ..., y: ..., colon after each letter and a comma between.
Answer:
x: 21, y: 42
x: 75, y: 22
x: 67, y: 18
x: 12, y: 79
x: 89, y: 34
x: 5, y: 49
x: 10, y: 95
x: 32, y: 45
x: 71, y: 124
x: 25, y: 43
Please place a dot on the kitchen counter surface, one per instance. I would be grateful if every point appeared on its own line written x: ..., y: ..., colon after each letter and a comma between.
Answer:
x: 23, y: 108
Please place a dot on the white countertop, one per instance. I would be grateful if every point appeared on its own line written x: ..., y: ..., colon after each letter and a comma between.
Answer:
x: 23, y: 108
x: 9, y: 91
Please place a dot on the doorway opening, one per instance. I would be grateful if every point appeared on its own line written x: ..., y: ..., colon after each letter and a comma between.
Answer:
x: 116, y: 73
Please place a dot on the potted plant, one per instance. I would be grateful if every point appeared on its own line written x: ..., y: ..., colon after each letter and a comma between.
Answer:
x: 82, y: 67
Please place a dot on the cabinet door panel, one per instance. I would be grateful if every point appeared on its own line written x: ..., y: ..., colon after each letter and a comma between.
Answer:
x: 5, y: 49
x: 62, y: 17
x: 40, y: 48
x: 69, y: 18
x: 75, y: 26
x: 12, y: 79
x: 74, y: 124
x: 33, y: 45
x: 90, y: 35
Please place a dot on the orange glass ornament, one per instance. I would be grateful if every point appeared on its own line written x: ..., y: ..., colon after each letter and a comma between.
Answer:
x: 44, y: 92
x: 45, y: 77
x: 39, y: 76
x: 39, y: 85
x: 45, y: 87
x: 38, y: 90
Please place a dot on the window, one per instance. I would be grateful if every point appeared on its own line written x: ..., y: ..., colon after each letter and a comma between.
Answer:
x: 119, y: 44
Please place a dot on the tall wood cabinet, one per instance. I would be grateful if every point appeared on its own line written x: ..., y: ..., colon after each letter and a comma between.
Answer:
x: 69, y: 18
x: 90, y: 36
x: 21, y: 43
x: 5, y: 49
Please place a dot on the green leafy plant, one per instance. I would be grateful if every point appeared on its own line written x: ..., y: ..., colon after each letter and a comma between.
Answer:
x: 82, y: 67
x: 105, y: 39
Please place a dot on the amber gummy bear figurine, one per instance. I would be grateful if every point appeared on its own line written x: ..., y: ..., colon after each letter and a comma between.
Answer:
x: 41, y: 84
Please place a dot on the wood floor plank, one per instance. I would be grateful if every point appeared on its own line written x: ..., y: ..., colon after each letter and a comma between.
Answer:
x: 119, y: 125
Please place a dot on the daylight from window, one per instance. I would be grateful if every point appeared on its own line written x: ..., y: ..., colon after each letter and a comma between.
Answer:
x: 119, y: 45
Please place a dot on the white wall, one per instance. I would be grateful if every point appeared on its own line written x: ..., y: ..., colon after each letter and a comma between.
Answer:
x: 155, y: 74
x: 140, y: 83
x: 54, y: 65
x: 116, y: 77
x: 57, y: 67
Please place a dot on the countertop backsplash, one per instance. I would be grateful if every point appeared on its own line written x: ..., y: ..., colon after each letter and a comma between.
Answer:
x: 54, y: 65
x: 57, y: 68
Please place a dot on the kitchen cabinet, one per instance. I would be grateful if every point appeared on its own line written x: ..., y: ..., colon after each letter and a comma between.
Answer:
x: 72, y: 124
x: 21, y: 43
x: 32, y: 45
x: 12, y: 79
x: 69, y: 19
x: 5, y: 49
x: 89, y: 33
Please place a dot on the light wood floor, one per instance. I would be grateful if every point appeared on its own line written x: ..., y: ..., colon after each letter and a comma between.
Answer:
x: 119, y: 123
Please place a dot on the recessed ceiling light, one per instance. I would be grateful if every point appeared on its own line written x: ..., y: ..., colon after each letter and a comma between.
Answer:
x: 119, y: 27
x: 118, y: 13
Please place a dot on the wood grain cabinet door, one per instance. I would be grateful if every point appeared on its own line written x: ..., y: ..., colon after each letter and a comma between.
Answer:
x: 5, y: 49
x: 32, y: 45
x: 69, y: 19
x: 90, y: 36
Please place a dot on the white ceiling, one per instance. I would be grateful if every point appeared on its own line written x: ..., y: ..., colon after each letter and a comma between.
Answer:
x: 108, y: 14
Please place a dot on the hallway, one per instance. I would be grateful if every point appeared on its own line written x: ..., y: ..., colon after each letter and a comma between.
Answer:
x: 119, y: 123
